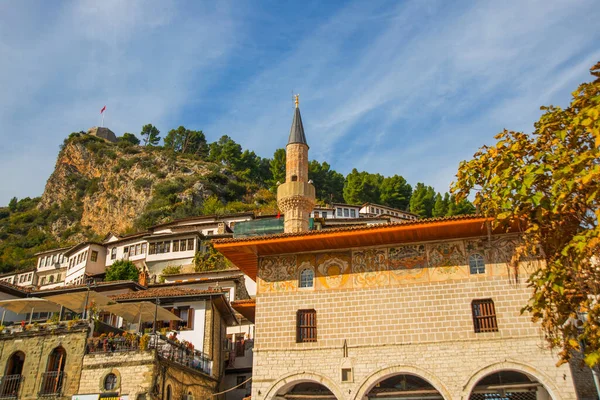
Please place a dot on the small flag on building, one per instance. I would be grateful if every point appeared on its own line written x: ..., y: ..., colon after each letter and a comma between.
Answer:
x: 278, y: 215
x: 103, y: 108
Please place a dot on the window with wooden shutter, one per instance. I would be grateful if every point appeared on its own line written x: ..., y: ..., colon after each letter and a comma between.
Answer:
x: 173, y: 324
x: 484, y: 316
x: 306, y: 326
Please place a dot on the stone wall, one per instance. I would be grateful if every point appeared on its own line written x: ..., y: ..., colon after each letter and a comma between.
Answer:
x: 183, y: 382
x: 403, y: 308
x: 135, y: 372
x: 37, y: 347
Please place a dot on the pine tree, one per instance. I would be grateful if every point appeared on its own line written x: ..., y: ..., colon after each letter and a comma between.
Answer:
x: 440, y: 208
x: 395, y: 192
x: 422, y: 200
x: 150, y: 134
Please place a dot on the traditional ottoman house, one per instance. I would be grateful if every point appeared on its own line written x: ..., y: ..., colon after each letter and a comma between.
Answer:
x: 420, y: 309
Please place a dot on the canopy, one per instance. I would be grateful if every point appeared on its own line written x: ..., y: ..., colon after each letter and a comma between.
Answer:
x: 142, y: 311
x: 27, y: 305
x: 78, y: 301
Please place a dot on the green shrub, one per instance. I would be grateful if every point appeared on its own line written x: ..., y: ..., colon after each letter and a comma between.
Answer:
x: 142, y: 183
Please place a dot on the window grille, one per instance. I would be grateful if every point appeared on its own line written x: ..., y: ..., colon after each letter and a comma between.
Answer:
x: 484, y: 316
x: 306, y: 322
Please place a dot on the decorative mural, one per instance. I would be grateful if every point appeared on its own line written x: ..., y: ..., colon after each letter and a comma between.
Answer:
x: 447, y: 260
x: 408, y: 264
x: 369, y: 268
x: 398, y: 265
x: 333, y: 270
x: 277, y: 274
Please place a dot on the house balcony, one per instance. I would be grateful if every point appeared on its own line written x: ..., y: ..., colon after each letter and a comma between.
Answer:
x: 52, y: 384
x: 166, y: 349
x: 9, y: 386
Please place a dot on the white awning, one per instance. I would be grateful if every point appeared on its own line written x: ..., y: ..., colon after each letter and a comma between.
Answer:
x: 29, y: 305
x: 77, y: 301
x: 142, y: 311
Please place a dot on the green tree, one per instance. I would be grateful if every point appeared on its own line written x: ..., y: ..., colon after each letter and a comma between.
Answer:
x: 548, y: 184
x: 440, y: 207
x: 395, y: 192
x: 122, y: 270
x: 277, y: 167
x: 328, y: 183
x: 226, y: 151
x: 129, y: 138
x: 422, y: 200
x: 362, y: 187
x: 150, y: 134
x: 182, y: 140
x: 12, y: 204
x: 460, y: 207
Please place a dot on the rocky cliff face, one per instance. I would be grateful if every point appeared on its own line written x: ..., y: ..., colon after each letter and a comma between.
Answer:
x: 101, y: 187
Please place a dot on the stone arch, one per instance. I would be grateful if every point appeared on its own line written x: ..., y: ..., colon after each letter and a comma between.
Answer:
x: 293, y: 379
x: 385, y: 373
x: 506, y: 365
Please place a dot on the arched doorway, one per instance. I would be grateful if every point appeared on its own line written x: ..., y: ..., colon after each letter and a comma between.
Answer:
x: 53, y: 378
x: 11, y: 381
x: 404, y: 386
x: 509, y: 385
x: 305, y: 391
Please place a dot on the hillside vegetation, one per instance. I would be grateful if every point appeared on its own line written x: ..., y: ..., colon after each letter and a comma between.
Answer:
x: 97, y: 187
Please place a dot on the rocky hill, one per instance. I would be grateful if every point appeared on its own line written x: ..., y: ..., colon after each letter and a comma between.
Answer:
x: 101, y: 185
x: 98, y: 186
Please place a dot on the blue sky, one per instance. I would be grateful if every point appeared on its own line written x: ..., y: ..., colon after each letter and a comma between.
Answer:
x: 399, y: 87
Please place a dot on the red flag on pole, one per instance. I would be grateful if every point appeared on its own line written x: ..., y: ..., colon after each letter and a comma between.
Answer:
x: 103, y: 108
x: 278, y: 215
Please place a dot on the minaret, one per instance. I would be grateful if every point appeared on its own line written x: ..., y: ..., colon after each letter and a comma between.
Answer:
x: 296, y: 197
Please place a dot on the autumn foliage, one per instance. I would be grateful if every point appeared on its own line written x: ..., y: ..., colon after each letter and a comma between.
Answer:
x: 549, y: 182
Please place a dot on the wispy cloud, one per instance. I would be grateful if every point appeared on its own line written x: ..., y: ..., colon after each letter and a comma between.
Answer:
x: 60, y: 66
x: 428, y: 84
x: 407, y: 88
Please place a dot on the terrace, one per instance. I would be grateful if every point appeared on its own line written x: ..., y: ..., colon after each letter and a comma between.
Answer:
x: 182, y: 353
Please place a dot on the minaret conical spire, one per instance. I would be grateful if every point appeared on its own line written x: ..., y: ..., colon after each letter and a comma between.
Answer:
x: 297, y: 129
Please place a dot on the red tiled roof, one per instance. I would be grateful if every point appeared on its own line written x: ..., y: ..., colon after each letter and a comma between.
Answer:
x: 245, y: 252
x: 423, y: 221
x: 163, y: 292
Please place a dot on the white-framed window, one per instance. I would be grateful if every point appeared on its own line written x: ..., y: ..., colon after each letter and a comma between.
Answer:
x: 113, y: 253
x: 339, y: 212
x: 346, y: 212
x: 307, y: 277
x: 353, y: 213
x: 476, y: 264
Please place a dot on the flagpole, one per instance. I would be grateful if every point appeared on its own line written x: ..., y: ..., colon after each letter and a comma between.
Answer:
x: 102, y: 125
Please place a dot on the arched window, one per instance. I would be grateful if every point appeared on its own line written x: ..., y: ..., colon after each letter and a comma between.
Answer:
x: 51, y: 279
x: 169, y: 394
x: 476, y: 264
x: 43, y: 281
x: 307, y: 278
x: 11, y: 381
x: 15, y: 363
x: 110, y: 382
x: 53, y: 378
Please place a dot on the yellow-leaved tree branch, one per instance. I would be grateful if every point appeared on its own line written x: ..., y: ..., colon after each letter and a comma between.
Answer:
x: 548, y: 181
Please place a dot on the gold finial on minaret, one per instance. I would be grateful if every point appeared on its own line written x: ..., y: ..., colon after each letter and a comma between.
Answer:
x: 297, y: 100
